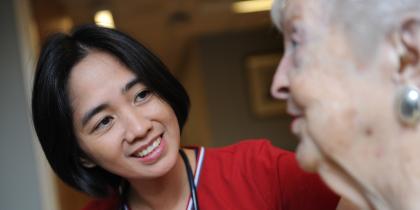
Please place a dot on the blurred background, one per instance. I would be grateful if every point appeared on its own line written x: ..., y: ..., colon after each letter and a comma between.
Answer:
x: 223, y: 51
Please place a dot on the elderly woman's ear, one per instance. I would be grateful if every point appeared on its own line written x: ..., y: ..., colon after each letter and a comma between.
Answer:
x: 409, y: 35
x: 407, y: 71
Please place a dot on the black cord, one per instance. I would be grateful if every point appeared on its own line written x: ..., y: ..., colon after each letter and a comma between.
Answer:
x: 190, y: 179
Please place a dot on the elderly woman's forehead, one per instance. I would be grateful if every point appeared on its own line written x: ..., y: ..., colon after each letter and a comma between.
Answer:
x: 287, y: 10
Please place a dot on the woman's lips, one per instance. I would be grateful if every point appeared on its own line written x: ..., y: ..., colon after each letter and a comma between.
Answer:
x: 297, y: 116
x: 146, y: 146
x: 155, y: 154
x: 150, y: 152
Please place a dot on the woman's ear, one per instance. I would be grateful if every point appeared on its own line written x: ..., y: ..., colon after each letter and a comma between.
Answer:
x: 87, y: 163
x: 409, y: 35
x: 407, y: 101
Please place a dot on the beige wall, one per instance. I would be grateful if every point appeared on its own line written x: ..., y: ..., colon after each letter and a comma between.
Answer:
x: 217, y: 83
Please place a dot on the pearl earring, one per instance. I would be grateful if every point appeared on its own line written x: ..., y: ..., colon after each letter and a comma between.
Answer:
x: 408, y: 105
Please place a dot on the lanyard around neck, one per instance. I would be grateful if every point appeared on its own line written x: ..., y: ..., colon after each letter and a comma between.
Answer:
x: 190, y: 179
x: 191, y: 183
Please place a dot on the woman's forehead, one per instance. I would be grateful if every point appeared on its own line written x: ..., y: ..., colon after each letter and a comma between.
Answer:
x: 97, y: 72
x: 290, y: 10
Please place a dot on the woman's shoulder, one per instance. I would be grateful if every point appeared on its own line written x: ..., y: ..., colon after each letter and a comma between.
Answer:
x: 250, y: 153
x: 250, y: 147
x: 109, y: 203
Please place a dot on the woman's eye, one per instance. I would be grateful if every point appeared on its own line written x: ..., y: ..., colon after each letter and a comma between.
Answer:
x: 294, y: 43
x: 141, y: 96
x: 295, y: 38
x: 106, y: 121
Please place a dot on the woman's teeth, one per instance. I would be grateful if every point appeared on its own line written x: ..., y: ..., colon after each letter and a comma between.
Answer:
x: 150, y: 148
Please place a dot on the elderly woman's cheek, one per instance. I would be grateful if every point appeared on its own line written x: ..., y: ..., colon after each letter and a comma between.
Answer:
x: 298, y: 57
x: 333, y: 125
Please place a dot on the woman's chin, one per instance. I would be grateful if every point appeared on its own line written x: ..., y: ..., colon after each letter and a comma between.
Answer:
x: 308, y: 156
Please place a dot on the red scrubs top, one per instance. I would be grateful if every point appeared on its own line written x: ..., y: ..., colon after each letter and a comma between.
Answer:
x: 251, y: 175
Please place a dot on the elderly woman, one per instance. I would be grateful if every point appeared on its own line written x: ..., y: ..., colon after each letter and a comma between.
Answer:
x: 109, y: 117
x: 351, y: 75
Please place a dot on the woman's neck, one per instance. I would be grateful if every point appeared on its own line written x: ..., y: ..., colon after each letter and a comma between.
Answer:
x: 392, y: 183
x: 396, y: 181
x: 404, y: 195
x: 170, y: 191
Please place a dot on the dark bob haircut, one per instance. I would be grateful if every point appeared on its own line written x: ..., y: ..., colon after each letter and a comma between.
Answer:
x: 52, y: 113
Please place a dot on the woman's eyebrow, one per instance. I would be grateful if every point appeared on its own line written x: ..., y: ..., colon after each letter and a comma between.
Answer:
x: 130, y: 85
x: 89, y: 114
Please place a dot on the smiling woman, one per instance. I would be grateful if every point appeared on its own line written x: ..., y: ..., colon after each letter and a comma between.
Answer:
x: 109, y: 102
x: 109, y: 117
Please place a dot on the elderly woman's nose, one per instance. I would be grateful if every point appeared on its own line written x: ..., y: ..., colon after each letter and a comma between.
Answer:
x: 280, y: 84
x: 137, y: 127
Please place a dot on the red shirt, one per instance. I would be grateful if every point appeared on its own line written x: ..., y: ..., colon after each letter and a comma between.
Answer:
x: 251, y: 175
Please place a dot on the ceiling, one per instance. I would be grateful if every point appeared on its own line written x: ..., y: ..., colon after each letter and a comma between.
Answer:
x: 168, y: 27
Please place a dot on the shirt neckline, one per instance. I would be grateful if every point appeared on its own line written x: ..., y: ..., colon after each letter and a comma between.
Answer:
x: 199, y: 154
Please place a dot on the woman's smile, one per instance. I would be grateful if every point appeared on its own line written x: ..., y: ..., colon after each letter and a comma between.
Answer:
x: 151, y: 152
x: 139, y: 132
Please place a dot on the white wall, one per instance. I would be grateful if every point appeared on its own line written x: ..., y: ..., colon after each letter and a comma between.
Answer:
x: 19, y: 179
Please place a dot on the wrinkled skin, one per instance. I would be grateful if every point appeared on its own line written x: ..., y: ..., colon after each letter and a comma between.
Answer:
x: 344, y: 108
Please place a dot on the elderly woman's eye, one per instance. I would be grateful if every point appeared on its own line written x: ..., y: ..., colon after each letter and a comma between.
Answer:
x: 295, y: 37
x: 294, y: 43
x: 106, y: 121
x: 142, y: 95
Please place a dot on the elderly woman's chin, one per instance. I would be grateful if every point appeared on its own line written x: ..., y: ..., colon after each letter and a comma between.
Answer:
x: 311, y: 159
x: 308, y: 155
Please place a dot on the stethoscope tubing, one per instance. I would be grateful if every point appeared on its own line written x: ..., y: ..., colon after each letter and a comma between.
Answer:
x: 190, y: 180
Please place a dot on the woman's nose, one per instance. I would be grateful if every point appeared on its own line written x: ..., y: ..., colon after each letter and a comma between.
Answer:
x: 280, y: 84
x: 136, y: 127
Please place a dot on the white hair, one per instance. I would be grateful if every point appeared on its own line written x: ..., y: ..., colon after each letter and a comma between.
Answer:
x: 365, y: 22
x: 276, y: 12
